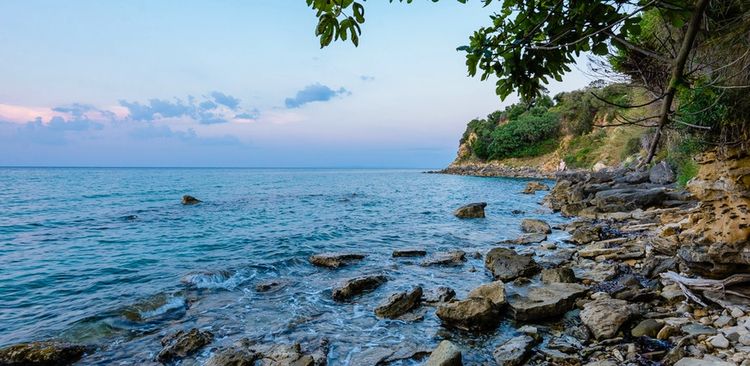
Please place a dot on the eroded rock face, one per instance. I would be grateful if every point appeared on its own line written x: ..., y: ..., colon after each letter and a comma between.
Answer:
x: 506, y: 265
x: 471, y: 211
x: 533, y: 186
x: 182, y: 344
x: 399, y: 303
x: 493, y: 291
x: 335, y: 260
x: 514, y: 351
x: 446, y: 354
x: 535, y: 226
x: 190, y: 200
x: 545, y: 301
x: 41, y: 354
x: 357, y: 286
x: 469, y: 314
x: 605, y: 316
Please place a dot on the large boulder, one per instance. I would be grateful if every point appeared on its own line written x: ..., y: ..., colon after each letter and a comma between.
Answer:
x: 628, y: 199
x: 439, y: 294
x: 446, y: 354
x: 469, y: 314
x: 545, y: 301
x: 399, y: 303
x: 182, y: 344
x: 190, y: 200
x: 514, y: 351
x: 357, y: 286
x: 335, y: 260
x: 535, y: 226
x: 506, y: 265
x: 42, y: 354
x: 471, y: 211
x: 604, y: 316
x: 661, y: 173
x: 533, y: 186
x: 493, y: 291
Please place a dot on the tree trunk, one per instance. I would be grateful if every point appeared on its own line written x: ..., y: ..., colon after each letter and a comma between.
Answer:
x: 677, y: 73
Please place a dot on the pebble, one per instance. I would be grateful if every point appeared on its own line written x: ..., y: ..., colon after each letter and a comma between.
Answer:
x: 737, y: 312
x: 723, y: 321
x: 745, y: 339
x: 719, y: 341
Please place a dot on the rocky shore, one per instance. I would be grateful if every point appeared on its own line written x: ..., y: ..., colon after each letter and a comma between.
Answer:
x: 654, y: 275
x: 494, y: 169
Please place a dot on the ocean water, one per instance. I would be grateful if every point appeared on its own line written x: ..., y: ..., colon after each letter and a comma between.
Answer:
x: 110, y: 257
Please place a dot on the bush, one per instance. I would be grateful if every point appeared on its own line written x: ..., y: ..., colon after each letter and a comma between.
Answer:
x: 524, y: 135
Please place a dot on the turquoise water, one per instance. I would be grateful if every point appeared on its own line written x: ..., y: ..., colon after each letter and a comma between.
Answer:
x: 110, y: 256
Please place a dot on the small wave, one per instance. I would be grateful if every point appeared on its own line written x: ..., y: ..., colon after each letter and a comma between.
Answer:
x: 173, y: 303
x: 216, y: 280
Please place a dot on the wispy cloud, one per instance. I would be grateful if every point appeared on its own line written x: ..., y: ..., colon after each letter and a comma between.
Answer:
x: 314, y: 93
x: 213, y: 109
x: 226, y: 100
x: 366, y: 78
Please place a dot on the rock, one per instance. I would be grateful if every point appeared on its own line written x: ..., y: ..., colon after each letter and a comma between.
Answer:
x: 535, y: 226
x: 661, y: 173
x: 399, y: 303
x: 560, y: 358
x: 666, y: 332
x: 647, y: 328
x: 270, y: 285
x: 695, y: 329
x: 471, y: 211
x: 453, y: 258
x: 42, y: 354
x: 719, y: 341
x: 560, y: 274
x: 586, y: 234
x: 469, y: 314
x: 335, y: 260
x: 533, y: 186
x: 723, y: 321
x: 605, y: 316
x: 439, y: 294
x: 233, y: 356
x: 446, y: 354
x: 628, y: 199
x: 493, y: 291
x: 545, y: 301
x: 526, y: 239
x: 285, y: 354
x: 506, y: 265
x: 690, y: 361
x: 672, y: 293
x: 357, y: 286
x: 409, y: 253
x: 182, y: 344
x: 514, y: 351
x: 190, y: 200
x: 602, y: 363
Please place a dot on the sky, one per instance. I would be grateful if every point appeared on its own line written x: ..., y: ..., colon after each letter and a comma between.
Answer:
x: 232, y: 83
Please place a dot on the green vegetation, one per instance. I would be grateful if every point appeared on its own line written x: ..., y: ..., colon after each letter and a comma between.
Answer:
x: 581, y: 150
x: 680, y: 156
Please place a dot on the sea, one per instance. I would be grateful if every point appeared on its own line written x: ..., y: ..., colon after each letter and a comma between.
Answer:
x: 111, y: 258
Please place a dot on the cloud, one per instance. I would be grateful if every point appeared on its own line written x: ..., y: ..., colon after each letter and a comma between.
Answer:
x: 152, y: 131
x: 313, y: 93
x: 366, y: 78
x: 226, y: 100
x: 253, y: 114
x: 214, y: 109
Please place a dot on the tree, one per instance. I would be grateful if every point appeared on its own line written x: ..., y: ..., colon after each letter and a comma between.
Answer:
x: 530, y: 42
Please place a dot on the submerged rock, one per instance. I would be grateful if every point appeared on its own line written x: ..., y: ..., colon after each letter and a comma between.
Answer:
x: 399, y: 303
x: 493, y: 291
x: 190, y: 200
x: 453, y: 258
x: 506, y: 265
x: 446, y: 354
x: 271, y: 285
x: 469, y: 314
x: 357, y: 286
x: 533, y: 186
x: 439, y: 294
x: 604, y: 316
x: 409, y: 253
x: 471, y: 211
x: 182, y: 344
x: 42, y: 354
x: 535, y: 226
x: 550, y: 300
x: 335, y: 260
x: 514, y: 351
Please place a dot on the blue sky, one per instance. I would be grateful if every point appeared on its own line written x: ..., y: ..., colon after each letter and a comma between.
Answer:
x: 235, y: 83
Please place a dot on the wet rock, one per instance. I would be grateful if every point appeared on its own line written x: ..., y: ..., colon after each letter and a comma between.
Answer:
x: 386, y: 355
x: 540, y: 302
x: 661, y: 173
x: 182, y: 344
x: 439, y: 294
x: 409, y: 253
x: 705, y: 361
x: 654, y: 265
x: 469, y: 314
x: 506, y: 265
x: 526, y: 239
x: 560, y: 274
x: 270, y: 285
x: 586, y: 234
x: 233, y: 356
x: 446, y: 354
x: 335, y: 260
x: 535, y: 226
x: 533, y: 186
x: 453, y: 258
x: 399, y: 303
x: 357, y: 286
x: 604, y: 316
x: 628, y: 199
x: 647, y: 328
x: 514, y: 351
x: 285, y: 354
x: 493, y: 291
x: 471, y: 211
x: 190, y: 200
x: 560, y: 358
x: 41, y: 354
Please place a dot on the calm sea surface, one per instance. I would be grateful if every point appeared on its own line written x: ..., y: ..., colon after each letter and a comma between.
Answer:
x: 110, y: 257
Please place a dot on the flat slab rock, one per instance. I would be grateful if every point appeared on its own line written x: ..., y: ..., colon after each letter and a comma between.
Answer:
x: 446, y: 354
x: 690, y: 361
x: 357, y: 286
x: 399, y: 303
x: 182, y: 344
x: 605, y: 316
x: 535, y: 226
x: 42, y: 353
x: 514, y: 351
x: 526, y: 239
x: 469, y: 314
x: 335, y: 260
x: 453, y: 258
x: 506, y: 265
x: 544, y: 301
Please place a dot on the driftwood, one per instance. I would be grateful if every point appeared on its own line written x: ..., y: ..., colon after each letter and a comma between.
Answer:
x: 714, y: 290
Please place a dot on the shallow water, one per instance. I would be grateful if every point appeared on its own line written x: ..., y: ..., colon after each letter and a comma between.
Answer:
x: 111, y: 257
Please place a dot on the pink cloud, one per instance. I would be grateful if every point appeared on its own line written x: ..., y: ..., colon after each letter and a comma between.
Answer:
x: 23, y: 114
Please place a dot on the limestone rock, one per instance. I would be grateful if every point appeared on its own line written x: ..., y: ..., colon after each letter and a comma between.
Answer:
x: 439, y: 294
x: 233, y: 356
x: 335, y: 260
x: 535, y: 226
x: 506, y: 265
x: 628, y: 199
x: 469, y: 314
x: 357, y: 286
x: 605, y: 316
x: 545, y: 301
x: 399, y: 303
x: 661, y: 173
x: 514, y: 351
x: 471, y: 211
x: 41, y: 354
x: 533, y: 186
x: 647, y: 328
x: 182, y: 344
x: 493, y: 291
x: 560, y: 274
x: 452, y: 258
x: 526, y: 239
x: 446, y: 354
x: 190, y: 200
